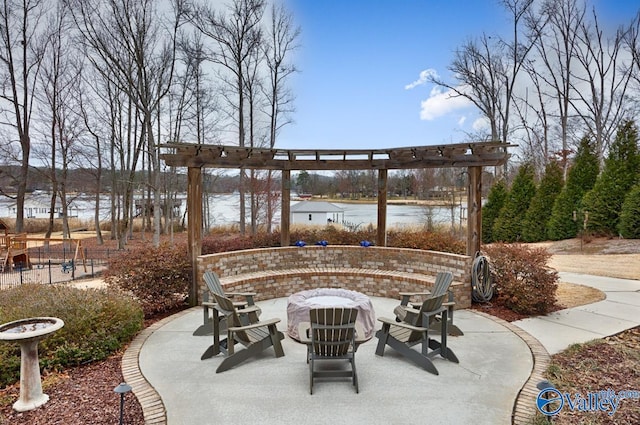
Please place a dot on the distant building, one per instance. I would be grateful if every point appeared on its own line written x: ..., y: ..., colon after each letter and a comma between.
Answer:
x: 318, y: 213
x: 38, y: 206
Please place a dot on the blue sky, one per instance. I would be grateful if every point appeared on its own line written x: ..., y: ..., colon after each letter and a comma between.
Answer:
x: 357, y: 58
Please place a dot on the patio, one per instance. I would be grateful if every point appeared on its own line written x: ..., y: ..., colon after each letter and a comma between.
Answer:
x: 494, y: 365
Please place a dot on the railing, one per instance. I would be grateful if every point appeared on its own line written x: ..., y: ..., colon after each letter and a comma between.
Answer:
x: 56, y: 264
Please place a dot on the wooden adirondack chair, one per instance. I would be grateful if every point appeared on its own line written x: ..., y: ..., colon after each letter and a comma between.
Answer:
x: 413, y: 330
x: 331, y: 336
x: 253, y: 334
x: 441, y: 286
x: 214, y: 286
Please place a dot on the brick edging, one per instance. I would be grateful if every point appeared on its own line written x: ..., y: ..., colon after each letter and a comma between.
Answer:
x: 524, y: 409
x: 153, y: 408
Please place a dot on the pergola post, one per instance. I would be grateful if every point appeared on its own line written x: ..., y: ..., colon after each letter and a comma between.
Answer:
x: 285, y: 209
x: 474, y: 210
x: 194, y: 227
x: 381, y: 239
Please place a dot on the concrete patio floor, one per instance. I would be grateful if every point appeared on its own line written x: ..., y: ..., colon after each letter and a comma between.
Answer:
x: 494, y: 365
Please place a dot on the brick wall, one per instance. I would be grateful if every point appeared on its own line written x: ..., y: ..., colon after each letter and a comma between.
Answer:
x: 375, y: 271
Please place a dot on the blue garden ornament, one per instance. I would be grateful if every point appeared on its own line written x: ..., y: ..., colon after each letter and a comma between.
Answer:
x: 365, y: 244
x: 301, y: 243
x: 322, y: 243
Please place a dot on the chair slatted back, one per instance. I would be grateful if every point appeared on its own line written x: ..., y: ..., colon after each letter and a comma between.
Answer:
x: 226, y: 307
x: 442, y: 283
x: 213, y: 282
x: 431, y: 304
x: 332, y: 330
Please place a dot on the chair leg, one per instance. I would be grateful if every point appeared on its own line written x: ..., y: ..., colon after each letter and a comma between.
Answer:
x: 355, y: 374
x: 310, y: 376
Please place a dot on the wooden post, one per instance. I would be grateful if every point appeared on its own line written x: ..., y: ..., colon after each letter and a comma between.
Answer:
x: 474, y: 210
x: 285, y: 208
x: 194, y: 227
x: 381, y: 239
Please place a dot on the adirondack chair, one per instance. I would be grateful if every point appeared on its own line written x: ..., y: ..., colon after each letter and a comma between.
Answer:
x: 331, y: 335
x: 441, y: 286
x: 413, y: 330
x: 255, y: 336
x: 214, y: 286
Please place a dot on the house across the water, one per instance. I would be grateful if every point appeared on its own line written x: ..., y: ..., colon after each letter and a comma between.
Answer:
x: 318, y: 213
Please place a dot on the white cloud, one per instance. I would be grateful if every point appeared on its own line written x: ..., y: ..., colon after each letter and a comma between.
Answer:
x: 480, y: 124
x: 424, y: 77
x: 442, y: 103
x: 462, y: 120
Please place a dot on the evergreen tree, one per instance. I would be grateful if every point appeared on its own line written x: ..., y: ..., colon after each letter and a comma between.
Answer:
x: 508, y: 225
x: 629, y: 225
x: 495, y: 201
x: 581, y: 178
x: 534, y: 226
x: 620, y: 174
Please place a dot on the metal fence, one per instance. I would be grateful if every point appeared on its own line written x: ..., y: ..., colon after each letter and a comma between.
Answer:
x: 56, y: 265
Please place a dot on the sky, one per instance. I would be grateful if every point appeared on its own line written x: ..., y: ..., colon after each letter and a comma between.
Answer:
x: 360, y: 62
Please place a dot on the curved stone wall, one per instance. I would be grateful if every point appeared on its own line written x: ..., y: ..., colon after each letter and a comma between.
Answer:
x: 377, y: 271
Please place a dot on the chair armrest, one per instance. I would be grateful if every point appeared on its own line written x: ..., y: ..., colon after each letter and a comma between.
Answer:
x: 249, y: 309
x: 254, y: 325
x: 242, y: 294
x: 303, y: 336
x: 393, y: 322
x: 237, y: 304
x: 407, y: 295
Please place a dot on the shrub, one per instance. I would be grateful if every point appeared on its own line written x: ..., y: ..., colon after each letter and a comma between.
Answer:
x: 580, y: 178
x: 629, y: 225
x: 523, y: 281
x: 97, y: 323
x: 508, y: 225
x: 620, y: 174
x: 490, y: 211
x: 158, y: 278
x: 534, y: 226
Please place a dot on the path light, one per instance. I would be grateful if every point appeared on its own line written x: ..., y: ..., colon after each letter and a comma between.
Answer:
x: 122, y: 389
x: 545, y: 387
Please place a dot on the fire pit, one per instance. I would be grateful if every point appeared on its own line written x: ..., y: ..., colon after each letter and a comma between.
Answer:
x: 27, y: 333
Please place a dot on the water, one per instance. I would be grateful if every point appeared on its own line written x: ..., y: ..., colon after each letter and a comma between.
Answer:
x: 224, y: 210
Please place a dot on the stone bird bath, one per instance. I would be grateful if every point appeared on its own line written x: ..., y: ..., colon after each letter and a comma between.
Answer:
x: 27, y: 333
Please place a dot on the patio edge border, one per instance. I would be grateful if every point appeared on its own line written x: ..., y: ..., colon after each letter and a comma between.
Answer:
x: 153, y: 409
x: 524, y: 409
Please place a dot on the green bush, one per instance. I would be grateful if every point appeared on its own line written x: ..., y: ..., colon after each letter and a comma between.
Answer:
x: 97, y: 323
x: 508, y: 225
x: 629, y: 225
x: 580, y: 178
x: 524, y: 282
x: 158, y: 277
x: 490, y: 211
x: 534, y: 226
x: 620, y: 174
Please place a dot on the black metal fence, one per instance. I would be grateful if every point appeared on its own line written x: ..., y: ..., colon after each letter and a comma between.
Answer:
x: 55, y: 265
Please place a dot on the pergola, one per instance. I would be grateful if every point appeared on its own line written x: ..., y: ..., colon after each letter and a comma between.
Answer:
x: 471, y: 156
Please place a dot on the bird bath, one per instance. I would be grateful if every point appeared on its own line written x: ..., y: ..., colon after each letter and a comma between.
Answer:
x: 27, y: 333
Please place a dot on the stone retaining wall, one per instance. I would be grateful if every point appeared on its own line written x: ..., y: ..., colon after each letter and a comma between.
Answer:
x: 375, y: 271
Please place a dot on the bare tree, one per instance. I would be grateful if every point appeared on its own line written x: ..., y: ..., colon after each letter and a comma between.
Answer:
x: 131, y: 40
x: 600, y: 85
x: 281, y: 41
x: 59, y: 84
x: 556, y: 42
x: 22, y: 47
x: 236, y: 34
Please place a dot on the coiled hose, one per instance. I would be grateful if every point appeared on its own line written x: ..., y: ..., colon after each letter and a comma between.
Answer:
x: 481, y: 282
